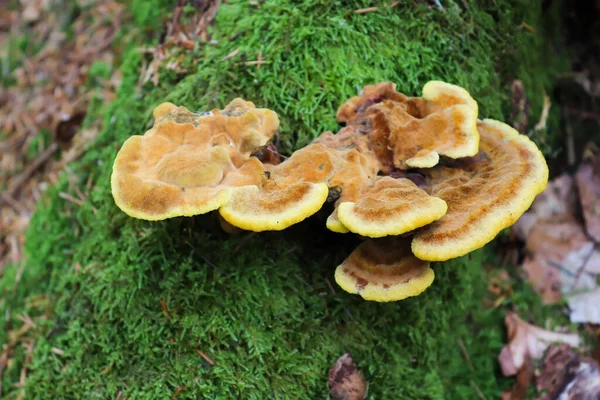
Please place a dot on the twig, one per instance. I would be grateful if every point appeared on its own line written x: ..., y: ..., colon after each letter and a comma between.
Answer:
x: 258, y: 63
x: 583, y: 114
x: 259, y: 58
x: 528, y: 27
x: 230, y: 55
x: 544, y: 116
x: 14, y: 203
x: 570, y: 143
x: 348, y: 312
x: 178, y: 392
x: 477, y: 390
x: 70, y: 198
x: 208, y: 360
x: 330, y: 286
x: 582, y: 268
x: 206, y: 260
x: 58, y: 351
x: 463, y: 350
x: 243, y: 242
x: 366, y: 10
x: 165, y: 310
x: 25, y: 175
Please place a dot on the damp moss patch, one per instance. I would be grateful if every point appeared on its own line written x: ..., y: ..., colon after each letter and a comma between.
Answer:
x: 156, y: 309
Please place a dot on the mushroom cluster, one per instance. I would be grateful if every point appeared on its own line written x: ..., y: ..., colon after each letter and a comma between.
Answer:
x: 420, y: 178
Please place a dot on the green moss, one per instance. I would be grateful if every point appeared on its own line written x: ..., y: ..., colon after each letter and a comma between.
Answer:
x: 259, y: 305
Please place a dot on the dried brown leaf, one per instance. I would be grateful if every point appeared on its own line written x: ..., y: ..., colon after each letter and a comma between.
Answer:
x: 588, y: 183
x: 50, y: 94
x: 585, y: 307
x: 522, y: 383
x: 566, y: 375
x: 345, y: 380
x: 560, y: 257
x: 527, y: 341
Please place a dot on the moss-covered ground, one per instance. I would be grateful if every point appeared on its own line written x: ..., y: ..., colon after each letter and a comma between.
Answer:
x: 128, y: 306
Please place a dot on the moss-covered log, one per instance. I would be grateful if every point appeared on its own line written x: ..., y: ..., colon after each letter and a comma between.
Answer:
x: 140, y: 307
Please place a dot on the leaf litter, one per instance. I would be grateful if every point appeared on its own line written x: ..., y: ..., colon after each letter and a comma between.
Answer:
x: 345, y: 380
x: 46, y: 89
x: 48, y: 81
x: 560, y: 232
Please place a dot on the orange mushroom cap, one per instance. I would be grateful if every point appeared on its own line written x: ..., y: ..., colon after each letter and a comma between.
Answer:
x: 179, y: 166
x: 390, y: 207
x: 485, y: 194
x: 412, y: 132
x: 416, y: 132
x: 296, y: 188
x: 384, y: 270
x: 370, y: 94
x: 270, y: 207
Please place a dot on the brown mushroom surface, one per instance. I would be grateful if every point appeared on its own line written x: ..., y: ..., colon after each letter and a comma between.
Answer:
x: 384, y: 270
x: 370, y: 94
x: 485, y: 194
x: 185, y: 164
x: 416, y: 132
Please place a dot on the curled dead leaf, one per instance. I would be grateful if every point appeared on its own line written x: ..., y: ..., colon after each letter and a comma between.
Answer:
x: 566, y: 375
x: 560, y: 257
x: 588, y: 183
x: 345, y: 380
x: 584, y: 307
x: 527, y: 341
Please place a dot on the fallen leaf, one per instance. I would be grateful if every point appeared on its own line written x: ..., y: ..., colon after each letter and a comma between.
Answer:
x: 588, y: 183
x: 560, y: 258
x: 522, y: 383
x: 345, y: 380
x: 585, y: 307
x: 566, y: 375
x: 559, y: 201
x: 527, y: 341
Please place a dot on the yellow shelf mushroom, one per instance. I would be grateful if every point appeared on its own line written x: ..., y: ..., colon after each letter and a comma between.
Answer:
x: 423, y: 167
x: 390, y: 207
x: 185, y: 164
x: 413, y: 132
x: 384, y: 270
x: 485, y: 194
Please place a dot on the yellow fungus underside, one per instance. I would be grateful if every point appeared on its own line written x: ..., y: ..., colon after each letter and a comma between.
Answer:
x: 273, y: 209
x: 384, y: 271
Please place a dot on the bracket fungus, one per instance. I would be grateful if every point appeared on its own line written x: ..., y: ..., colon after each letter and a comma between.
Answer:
x: 421, y: 178
x: 384, y: 270
x: 485, y: 194
x: 187, y: 163
x: 390, y: 207
x: 413, y: 132
x: 489, y: 178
